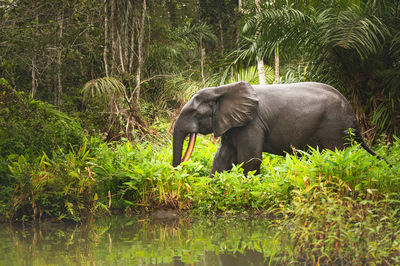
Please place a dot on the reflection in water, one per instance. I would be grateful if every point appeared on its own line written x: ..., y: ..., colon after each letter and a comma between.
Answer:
x: 152, y: 240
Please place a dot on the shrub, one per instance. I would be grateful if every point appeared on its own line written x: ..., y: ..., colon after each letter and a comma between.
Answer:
x: 32, y: 127
x: 61, y: 188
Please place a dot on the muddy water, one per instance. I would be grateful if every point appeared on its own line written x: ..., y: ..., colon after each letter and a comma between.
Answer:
x: 151, y: 240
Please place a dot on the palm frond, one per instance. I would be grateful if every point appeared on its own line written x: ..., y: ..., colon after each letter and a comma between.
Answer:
x: 395, y: 46
x: 351, y: 29
x: 191, y: 33
x: 250, y: 74
x: 267, y: 29
x: 183, y: 86
x: 103, y: 88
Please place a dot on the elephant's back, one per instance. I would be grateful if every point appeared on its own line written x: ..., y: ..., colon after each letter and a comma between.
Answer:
x: 290, y: 103
x: 298, y: 89
x: 302, y: 114
x: 301, y: 94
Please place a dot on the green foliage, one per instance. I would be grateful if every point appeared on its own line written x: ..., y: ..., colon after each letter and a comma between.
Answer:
x: 318, y: 32
x: 31, y: 127
x: 135, y: 177
x: 104, y: 88
x: 250, y: 74
x: 140, y: 176
x: 60, y: 188
x: 51, y: 49
x: 189, y: 35
x: 108, y: 110
x: 327, y: 225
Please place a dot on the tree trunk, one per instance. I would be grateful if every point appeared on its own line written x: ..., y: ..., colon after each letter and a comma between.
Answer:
x: 33, y: 71
x: 140, y: 53
x: 126, y: 37
x: 121, y: 57
x: 202, y: 53
x: 33, y: 65
x: 237, y: 27
x: 113, y: 38
x: 132, y: 42
x: 277, y: 65
x: 57, y: 100
x: 260, y: 63
x: 261, y: 72
x: 105, y: 51
x: 221, y: 38
x: 276, y: 54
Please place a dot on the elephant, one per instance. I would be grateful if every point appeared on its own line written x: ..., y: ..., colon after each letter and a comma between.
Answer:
x: 252, y: 119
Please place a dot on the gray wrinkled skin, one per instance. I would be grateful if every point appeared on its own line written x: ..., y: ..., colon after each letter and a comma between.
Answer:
x: 270, y: 118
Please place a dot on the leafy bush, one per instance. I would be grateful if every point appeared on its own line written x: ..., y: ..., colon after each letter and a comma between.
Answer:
x: 139, y: 176
x: 31, y: 127
x: 61, y: 188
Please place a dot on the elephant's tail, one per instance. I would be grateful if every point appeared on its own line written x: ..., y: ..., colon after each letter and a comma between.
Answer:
x: 360, y: 139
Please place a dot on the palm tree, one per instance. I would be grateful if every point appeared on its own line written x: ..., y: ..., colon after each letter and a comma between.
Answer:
x: 341, y: 44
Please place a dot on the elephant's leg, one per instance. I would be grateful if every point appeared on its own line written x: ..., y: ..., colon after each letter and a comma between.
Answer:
x: 251, y: 161
x: 249, y: 142
x: 224, y: 158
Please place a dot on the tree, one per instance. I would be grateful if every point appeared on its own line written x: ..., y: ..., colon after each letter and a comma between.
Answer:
x: 140, y: 52
x: 44, y: 37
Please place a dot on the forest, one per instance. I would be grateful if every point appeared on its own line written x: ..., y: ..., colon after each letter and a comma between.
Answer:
x: 90, y: 91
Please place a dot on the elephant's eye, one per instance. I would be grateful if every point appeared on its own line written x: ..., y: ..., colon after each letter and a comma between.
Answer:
x: 204, y: 110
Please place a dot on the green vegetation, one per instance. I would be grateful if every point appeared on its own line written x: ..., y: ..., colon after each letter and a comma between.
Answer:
x: 33, y: 127
x: 31, y: 132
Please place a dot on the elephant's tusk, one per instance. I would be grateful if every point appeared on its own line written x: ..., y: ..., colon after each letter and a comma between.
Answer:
x: 190, y: 147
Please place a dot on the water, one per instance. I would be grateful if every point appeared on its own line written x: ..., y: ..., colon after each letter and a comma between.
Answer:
x: 146, y: 240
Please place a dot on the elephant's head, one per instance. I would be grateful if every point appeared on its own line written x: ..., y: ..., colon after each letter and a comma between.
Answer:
x: 213, y: 110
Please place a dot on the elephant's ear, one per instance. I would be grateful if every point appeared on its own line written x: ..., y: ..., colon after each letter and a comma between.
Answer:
x: 236, y: 106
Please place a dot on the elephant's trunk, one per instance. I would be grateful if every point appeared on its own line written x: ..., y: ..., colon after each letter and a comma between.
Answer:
x: 177, y: 146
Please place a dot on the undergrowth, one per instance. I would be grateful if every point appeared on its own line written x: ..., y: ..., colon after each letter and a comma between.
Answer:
x: 334, y: 206
x: 139, y: 176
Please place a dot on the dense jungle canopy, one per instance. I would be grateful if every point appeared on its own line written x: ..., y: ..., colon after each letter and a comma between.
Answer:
x: 122, y: 66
